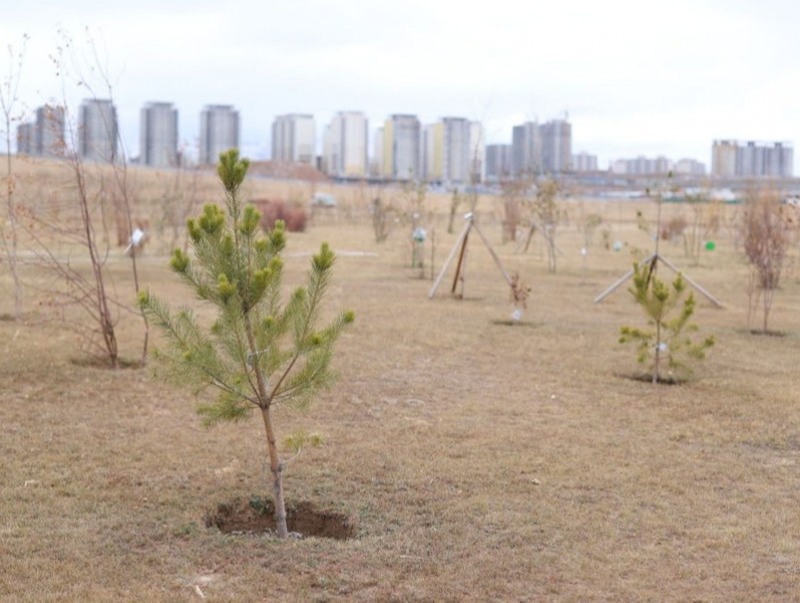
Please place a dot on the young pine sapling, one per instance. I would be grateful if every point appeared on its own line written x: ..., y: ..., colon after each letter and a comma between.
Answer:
x: 260, y: 352
x: 668, y: 341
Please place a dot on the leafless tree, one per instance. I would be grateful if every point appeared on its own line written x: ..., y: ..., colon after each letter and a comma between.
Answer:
x: 97, y: 190
x: 9, y: 235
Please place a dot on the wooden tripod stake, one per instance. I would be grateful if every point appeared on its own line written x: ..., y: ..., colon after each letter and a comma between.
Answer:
x: 652, y: 260
x: 460, y: 249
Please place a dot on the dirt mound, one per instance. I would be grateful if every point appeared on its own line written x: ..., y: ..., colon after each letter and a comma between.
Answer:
x: 257, y: 515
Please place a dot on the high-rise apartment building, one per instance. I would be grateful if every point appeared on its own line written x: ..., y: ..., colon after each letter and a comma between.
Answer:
x: 526, y: 150
x: 43, y: 137
x: 294, y: 139
x: 26, y: 139
x: 345, y: 145
x: 98, y: 130
x: 453, y: 151
x: 689, y: 167
x: 376, y: 163
x: 556, y: 137
x: 498, y: 162
x: 641, y: 166
x: 158, y: 135
x: 723, y: 158
x: 477, y: 153
x: 751, y: 159
x: 219, y: 131
x: 541, y: 148
x: 401, y: 147
x: 49, y: 131
x: 584, y: 162
x: 432, y: 153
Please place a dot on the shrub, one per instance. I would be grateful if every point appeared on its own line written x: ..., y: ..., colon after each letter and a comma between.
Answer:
x: 295, y: 219
x: 766, y: 235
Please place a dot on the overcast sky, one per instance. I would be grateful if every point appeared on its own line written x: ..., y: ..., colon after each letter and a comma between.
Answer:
x: 634, y: 77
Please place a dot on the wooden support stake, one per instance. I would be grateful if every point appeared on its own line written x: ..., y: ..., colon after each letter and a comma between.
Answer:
x: 449, y: 259
x: 459, y: 265
x: 694, y: 284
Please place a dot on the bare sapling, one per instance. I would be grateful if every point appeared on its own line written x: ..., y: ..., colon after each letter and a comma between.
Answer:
x: 766, y: 234
x: 667, y: 344
x: 91, y: 293
x: 589, y: 225
x: 118, y: 163
x: 704, y: 221
x: 384, y: 217
x: 96, y: 191
x: 9, y: 228
x: 260, y: 352
x: 456, y: 201
x: 546, y: 213
x: 420, y: 220
x: 515, y: 203
x: 519, y: 296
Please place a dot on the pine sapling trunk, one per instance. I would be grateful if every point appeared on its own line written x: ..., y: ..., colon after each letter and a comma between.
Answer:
x: 658, y: 351
x: 276, y: 467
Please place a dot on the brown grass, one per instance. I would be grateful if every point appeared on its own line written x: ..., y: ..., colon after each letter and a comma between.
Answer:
x: 482, y: 461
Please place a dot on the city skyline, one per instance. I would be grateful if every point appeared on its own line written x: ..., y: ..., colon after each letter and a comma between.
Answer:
x: 451, y: 150
x: 632, y: 80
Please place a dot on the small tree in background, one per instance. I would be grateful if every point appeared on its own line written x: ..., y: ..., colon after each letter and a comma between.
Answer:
x: 259, y: 352
x: 668, y: 342
x: 766, y: 235
x: 98, y: 192
x: 547, y: 215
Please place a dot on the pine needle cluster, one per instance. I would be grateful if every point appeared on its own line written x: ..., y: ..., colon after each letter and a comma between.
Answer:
x: 667, y: 338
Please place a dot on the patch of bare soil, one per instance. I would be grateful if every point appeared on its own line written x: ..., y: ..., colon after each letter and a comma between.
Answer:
x: 515, y: 323
x: 257, y: 516
x: 768, y: 333
x: 648, y: 378
x: 102, y: 362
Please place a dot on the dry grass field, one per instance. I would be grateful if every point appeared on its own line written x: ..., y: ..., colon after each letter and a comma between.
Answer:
x: 481, y: 461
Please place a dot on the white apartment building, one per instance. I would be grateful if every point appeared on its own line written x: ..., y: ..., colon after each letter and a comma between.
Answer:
x: 689, y: 167
x: 641, y: 166
x: 477, y: 153
x: 294, y: 139
x: 345, y: 145
x: 453, y: 151
x: 401, y: 148
x: 376, y: 164
x: 584, y: 162
x: 751, y: 159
